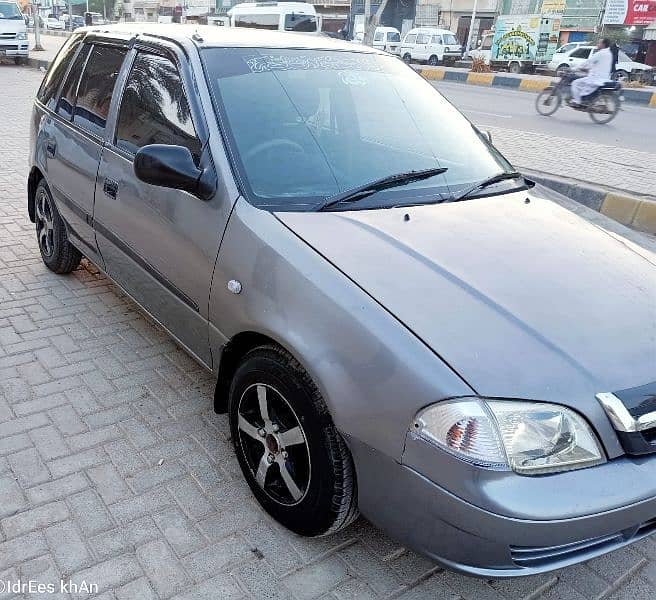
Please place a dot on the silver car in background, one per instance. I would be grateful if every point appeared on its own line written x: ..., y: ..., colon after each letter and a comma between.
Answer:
x: 399, y: 323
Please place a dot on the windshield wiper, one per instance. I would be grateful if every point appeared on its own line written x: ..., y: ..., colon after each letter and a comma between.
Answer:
x: 362, y: 191
x: 483, y: 184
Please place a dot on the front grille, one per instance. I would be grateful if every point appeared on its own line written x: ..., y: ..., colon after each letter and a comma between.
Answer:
x: 9, y: 47
x: 8, y: 36
x: 544, y: 556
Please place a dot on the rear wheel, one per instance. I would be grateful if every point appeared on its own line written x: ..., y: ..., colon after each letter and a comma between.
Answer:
x: 407, y: 58
x: 548, y: 101
x: 604, y: 108
x: 292, y: 456
x: 58, y: 254
x: 621, y: 75
x: 433, y: 61
x: 515, y: 67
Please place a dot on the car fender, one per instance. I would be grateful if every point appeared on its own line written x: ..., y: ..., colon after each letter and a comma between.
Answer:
x: 373, y: 373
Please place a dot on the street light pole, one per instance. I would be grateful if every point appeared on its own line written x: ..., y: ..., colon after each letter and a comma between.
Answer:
x: 471, y: 27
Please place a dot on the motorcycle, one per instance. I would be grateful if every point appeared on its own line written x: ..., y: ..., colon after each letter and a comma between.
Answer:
x: 602, y: 105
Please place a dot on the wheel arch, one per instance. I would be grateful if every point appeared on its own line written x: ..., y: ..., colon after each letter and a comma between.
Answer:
x: 232, y: 353
x: 33, y: 180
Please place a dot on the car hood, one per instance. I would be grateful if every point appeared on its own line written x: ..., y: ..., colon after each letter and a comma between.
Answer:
x: 521, y: 299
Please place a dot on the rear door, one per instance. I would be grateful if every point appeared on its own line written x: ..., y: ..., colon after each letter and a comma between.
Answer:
x: 158, y: 243
x: 421, y: 47
x: 75, y: 138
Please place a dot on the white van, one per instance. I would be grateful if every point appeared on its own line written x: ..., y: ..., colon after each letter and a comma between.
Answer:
x: 13, y: 32
x: 387, y: 39
x: 430, y: 45
x: 281, y: 16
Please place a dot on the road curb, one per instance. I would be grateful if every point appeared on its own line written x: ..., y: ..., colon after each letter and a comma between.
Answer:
x: 633, y: 210
x: 529, y: 83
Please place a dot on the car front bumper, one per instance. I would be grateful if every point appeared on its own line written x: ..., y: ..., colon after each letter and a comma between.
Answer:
x: 463, y: 537
x: 16, y: 48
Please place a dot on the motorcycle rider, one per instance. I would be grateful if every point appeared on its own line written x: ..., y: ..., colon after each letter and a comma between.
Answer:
x: 599, y: 67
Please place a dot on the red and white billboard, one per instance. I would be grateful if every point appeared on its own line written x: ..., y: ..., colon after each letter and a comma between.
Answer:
x: 630, y: 12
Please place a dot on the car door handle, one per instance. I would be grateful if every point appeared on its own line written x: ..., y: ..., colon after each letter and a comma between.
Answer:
x: 51, y: 148
x: 110, y: 187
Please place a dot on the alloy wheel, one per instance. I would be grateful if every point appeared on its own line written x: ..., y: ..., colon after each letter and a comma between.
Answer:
x: 45, y: 224
x: 274, y: 444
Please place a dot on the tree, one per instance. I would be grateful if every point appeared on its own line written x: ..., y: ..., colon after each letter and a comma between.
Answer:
x: 374, y: 21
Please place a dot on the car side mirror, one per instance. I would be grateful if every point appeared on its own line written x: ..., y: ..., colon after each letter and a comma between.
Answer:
x: 173, y: 167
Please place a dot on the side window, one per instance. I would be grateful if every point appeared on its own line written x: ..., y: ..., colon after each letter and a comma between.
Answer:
x: 55, y: 74
x: 580, y: 53
x: 154, y: 108
x: 423, y: 38
x: 378, y: 37
x: 96, y: 87
x: 411, y: 38
x: 69, y: 91
x: 436, y: 39
x: 261, y: 21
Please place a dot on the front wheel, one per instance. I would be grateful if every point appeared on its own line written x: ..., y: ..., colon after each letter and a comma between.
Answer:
x: 548, y: 101
x: 621, y: 75
x: 515, y: 68
x: 604, y: 109
x: 433, y: 61
x: 407, y: 58
x: 292, y: 456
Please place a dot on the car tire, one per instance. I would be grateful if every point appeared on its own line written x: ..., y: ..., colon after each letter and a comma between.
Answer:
x: 621, y: 75
x: 58, y: 254
x: 433, y: 61
x: 407, y: 58
x: 292, y: 456
x: 562, y: 69
x: 515, y: 68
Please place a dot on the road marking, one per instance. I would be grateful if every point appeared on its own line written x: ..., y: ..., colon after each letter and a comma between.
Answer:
x: 487, y: 114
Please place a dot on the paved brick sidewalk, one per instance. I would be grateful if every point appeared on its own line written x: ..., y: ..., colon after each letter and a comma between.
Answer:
x: 115, y: 471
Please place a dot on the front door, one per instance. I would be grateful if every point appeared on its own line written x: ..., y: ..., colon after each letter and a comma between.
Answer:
x: 158, y: 243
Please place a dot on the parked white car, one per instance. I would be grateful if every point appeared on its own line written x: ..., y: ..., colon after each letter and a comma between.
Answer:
x: 387, y: 39
x: 53, y: 23
x: 430, y: 45
x: 576, y: 57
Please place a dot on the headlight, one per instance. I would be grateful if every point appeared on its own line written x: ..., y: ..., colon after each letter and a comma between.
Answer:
x: 531, y: 438
x: 22, y: 35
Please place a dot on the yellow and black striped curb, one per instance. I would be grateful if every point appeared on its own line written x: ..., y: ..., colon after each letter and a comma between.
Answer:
x: 634, y: 211
x: 517, y: 82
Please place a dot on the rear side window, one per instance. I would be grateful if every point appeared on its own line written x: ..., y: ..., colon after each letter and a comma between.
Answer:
x: 258, y: 21
x: 422, y: 38
x: 55, y: 74
x: 295, y: 22
x: 154, y: 108
x: 67, y: 98
x: 96, y: 87
x: 410, y: 38
x: 378, y: 37
x: 581, y: 53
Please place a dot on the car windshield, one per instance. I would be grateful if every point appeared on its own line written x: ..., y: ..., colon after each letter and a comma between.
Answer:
x: 10, y: 10
x: 294, y: 22
x: 304, y: 125
x: 449, y: 39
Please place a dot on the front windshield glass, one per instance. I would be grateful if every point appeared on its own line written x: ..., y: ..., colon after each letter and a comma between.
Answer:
x: 294, y: 22
x: 10, y: 10
x: 304, y: 125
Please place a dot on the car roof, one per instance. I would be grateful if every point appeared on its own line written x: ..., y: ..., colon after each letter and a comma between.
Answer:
x: 205, y: 36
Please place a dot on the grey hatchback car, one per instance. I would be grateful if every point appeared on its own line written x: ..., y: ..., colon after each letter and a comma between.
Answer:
x: 398, y: 322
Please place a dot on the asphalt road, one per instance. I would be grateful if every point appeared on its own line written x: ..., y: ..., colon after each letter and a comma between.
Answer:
x: 491, y: 107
